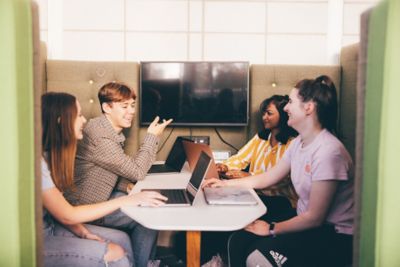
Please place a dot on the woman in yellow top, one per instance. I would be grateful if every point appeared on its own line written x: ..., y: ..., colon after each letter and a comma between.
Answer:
x: 266, y: 148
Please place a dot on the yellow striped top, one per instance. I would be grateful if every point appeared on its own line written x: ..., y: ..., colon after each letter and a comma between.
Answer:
x: 259, y: 154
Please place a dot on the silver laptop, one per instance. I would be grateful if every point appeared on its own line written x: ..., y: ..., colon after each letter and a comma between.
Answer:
x: 187, y: 196
x: 229, y: 196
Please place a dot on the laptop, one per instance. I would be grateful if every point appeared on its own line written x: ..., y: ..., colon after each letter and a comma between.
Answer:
x: 193, y: 151
x: 187, y: 196
x: 217, y: 196
x: 175, y: 160
x: 229, y: 196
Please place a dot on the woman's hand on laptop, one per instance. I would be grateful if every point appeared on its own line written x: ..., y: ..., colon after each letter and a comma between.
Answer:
x: 235, y: 174
x: 157, y: 127
x: 222, y: 167
x: 214, y: 182
x: 146, y: 198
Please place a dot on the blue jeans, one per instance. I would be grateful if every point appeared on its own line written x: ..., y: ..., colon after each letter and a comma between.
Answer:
x: 63, y: 249
x: 143, y: 240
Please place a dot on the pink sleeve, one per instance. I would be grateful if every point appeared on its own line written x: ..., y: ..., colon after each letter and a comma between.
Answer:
x: 331, y: 164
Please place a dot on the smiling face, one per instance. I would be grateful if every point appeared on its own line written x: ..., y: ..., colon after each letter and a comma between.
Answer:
x: 270, y: 117
x: 295, y: 109
x: 120, y: 114
x: 80, y: 120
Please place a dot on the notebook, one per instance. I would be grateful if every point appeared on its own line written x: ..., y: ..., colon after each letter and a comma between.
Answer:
x: 175, y: 160
x: 186, y: 197
x: 229, y: 196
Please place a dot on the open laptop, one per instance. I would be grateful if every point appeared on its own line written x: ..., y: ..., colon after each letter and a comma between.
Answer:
x: 175, y: 160
x: 217, y: 196
x: 193, y: 151
x: 187, y: 196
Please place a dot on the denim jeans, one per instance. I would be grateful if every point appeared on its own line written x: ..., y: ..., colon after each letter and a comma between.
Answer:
x: 143, y: 240
x: 63, y: 249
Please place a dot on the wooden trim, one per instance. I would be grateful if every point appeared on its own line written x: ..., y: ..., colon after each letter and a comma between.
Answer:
x: 193, y: 242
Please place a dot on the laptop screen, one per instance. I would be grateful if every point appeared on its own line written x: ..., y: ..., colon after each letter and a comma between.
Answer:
x: 176, y: 157
x: 198, y: 173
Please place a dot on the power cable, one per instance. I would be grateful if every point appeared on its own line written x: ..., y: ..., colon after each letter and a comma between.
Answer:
x: 223, y: 140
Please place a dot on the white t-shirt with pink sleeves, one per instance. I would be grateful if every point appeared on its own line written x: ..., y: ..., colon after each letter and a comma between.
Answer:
x: 324, y: 159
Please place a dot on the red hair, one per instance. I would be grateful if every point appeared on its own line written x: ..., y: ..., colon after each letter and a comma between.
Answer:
x: 59, y: 112
x: 114, y: 92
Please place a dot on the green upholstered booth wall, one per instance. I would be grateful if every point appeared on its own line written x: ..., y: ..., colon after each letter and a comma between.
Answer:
x: 17, y: 228
x: 380, y: 231
x: 388, y: 215
x: 373, y: 106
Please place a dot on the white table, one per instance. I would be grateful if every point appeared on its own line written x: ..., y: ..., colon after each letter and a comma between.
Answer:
x: 193, y: 219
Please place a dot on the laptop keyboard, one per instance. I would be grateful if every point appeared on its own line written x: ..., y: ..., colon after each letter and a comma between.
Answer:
x: 175, y: 196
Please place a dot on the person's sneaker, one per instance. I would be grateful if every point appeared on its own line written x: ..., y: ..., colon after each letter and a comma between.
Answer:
x: 167, y: 258
x: 216, y: 261
x: 154, y: 263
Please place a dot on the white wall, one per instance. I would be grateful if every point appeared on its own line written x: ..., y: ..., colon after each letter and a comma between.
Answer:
x: 260, y: 31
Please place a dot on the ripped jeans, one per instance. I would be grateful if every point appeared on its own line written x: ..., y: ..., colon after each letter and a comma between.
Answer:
x: 143, y: 240
x: 62, y: 248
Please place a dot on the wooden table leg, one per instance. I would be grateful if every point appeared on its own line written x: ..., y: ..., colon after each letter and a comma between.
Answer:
x: 193, y: 241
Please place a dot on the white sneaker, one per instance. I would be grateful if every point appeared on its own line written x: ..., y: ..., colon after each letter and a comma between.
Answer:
x: 216, y: 261
x: 153, y: 263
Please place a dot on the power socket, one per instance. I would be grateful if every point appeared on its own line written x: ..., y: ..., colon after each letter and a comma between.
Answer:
x: 199, y: 139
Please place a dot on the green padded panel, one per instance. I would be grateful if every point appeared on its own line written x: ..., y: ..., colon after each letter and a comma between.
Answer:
x: 17, y: 227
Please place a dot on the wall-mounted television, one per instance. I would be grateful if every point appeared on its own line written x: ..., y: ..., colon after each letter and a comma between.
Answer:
x: 195, y: 93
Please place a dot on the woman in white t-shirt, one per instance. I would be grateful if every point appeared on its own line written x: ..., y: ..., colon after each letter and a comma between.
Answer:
x: 67, y: 242
x: 320, y: 231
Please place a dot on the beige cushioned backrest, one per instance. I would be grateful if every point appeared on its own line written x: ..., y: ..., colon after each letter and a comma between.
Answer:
x: 348, y: 103
x: 42, y: 66
x: 83, y: 79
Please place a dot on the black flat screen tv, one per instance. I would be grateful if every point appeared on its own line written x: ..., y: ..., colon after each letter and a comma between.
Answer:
x: 195, y: 93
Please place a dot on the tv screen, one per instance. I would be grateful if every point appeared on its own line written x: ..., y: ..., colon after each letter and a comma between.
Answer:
x: 195, y: 93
